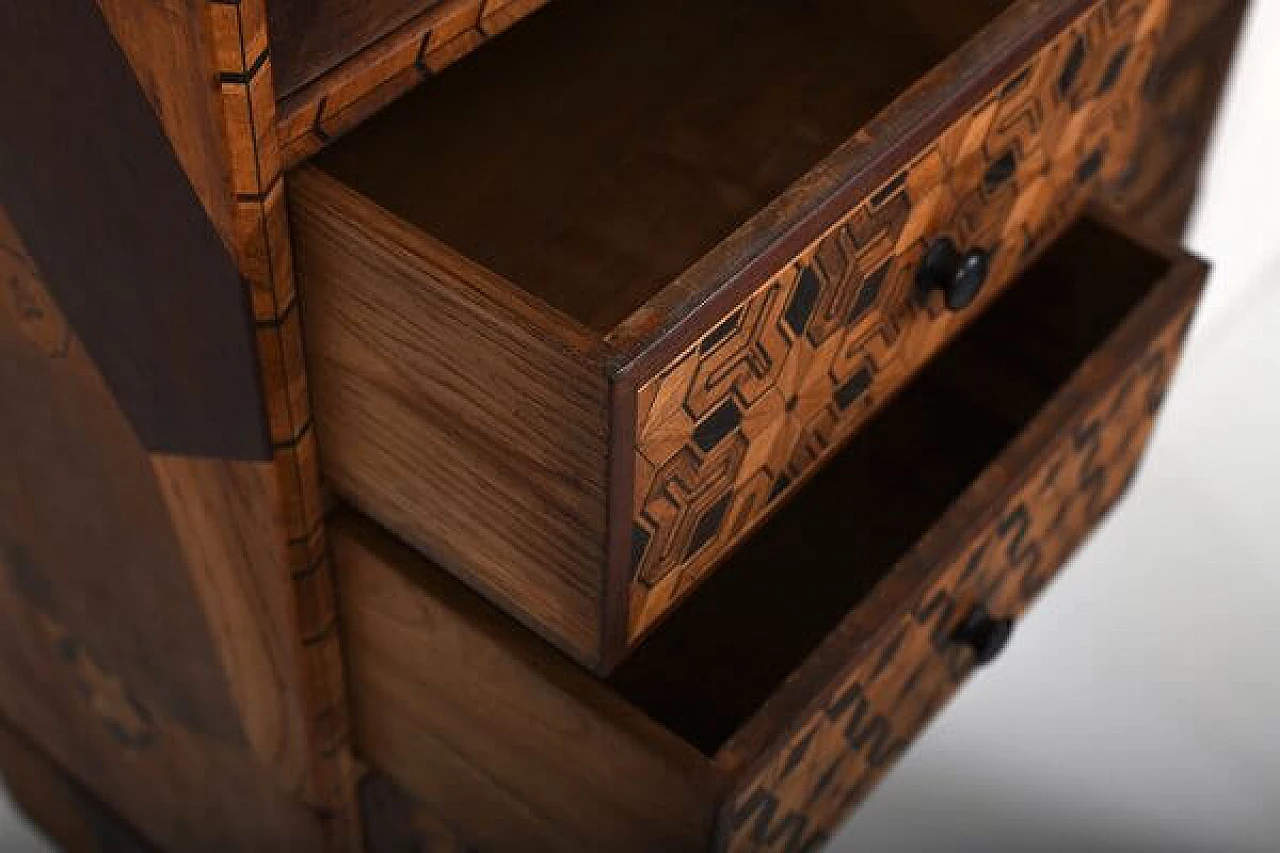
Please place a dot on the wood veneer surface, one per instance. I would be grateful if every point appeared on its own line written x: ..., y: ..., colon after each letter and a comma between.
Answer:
x: 601, y: 148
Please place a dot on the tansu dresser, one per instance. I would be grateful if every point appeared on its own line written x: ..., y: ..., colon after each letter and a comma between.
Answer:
x: 568, y: 426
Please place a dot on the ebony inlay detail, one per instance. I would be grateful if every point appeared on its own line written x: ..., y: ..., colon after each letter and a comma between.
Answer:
x: 1001, y: 170
x: 720, y: 333
x: 1091, y: 166
x: 984, y: 634
x: 721, y: 422
x: 1071, y: 70
x: 1115, y: 69
x: 854, y: 390
x: 803, y: 301
x: 869, y: 293
x: 709, y: 525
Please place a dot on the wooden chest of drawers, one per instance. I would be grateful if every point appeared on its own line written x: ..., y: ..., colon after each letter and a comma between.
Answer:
x: 659, y: 313
x: 628, y: 439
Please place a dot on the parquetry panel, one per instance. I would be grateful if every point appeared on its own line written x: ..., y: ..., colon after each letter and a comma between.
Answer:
x: 733, y: 424
x: 863, y: 722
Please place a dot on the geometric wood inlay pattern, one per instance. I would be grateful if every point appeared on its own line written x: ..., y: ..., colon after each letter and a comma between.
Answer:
x: 800, y: 792
x: 736, y: 422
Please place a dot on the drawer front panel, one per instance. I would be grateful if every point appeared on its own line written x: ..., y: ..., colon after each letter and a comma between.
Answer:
x: 806, y: 784
x: 743, y: 415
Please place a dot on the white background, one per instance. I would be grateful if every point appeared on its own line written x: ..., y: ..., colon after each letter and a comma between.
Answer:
x: 1138, y: 708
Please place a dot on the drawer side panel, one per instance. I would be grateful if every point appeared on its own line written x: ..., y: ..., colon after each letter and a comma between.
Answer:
x: 467, y: 428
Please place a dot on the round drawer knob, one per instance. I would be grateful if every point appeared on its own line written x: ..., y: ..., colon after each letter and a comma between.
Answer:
x: 960, y: 277
x: 986, y: 635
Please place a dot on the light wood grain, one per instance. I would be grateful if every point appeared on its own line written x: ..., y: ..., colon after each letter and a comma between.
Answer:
x: 288, y: 490
x: 824, y: 343
x: 593, y: 177
x: 462, y: 419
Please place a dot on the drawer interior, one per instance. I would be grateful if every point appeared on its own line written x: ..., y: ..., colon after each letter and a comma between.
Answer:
x: 729, y: 647
x: 591, y: 170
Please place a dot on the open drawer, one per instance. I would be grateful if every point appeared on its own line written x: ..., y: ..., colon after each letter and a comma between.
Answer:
x: 583, y: 311
x: 766, y: 706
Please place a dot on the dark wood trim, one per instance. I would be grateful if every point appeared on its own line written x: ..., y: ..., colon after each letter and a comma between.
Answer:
x: 621, y: 509
x: 89, y: 178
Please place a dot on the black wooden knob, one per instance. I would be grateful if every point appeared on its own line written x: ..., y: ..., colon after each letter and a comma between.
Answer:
x: 960, y: 277
x: 986, y: 635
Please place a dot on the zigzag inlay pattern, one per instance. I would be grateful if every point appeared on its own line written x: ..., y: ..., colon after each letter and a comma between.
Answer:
x: 806, y: 785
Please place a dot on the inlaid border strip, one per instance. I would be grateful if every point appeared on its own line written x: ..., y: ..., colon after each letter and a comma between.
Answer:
x: 338, y: 100
x: 241, y: 54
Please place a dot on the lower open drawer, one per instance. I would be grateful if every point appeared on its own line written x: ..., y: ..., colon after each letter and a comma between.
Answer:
x: 768, y: 705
